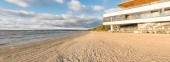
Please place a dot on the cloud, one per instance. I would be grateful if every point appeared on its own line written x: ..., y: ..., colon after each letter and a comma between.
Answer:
x: 27, y: 3
x: 22, y: 3
x: 60, y: 1
x: 76, y: 5
x: 77, y: 16
x: 30, y: 20
x: 16, y: 13
x: 98, y: 8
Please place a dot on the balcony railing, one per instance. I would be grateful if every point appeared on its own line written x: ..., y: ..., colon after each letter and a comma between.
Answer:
x: 142, y: 15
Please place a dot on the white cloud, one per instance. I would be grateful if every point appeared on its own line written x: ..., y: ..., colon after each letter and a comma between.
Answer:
x: 21, y: 3
x: 27, y: 3
x: 76, y: 5
x: 98, y: 8
x: 24, y: 20
x: 60, y: 1
x: 16, y: 13
x: 71, y: 19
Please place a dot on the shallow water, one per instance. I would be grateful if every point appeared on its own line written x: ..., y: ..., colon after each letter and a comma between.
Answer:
x: 26, y: 36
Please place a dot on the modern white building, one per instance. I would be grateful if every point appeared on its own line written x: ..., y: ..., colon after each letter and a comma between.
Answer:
x: 139, y: 16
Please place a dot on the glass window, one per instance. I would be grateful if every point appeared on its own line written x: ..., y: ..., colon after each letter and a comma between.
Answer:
x: 167, y: 11
x: 155, y: 13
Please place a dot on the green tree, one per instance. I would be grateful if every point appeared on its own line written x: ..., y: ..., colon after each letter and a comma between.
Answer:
x: 101, y: 28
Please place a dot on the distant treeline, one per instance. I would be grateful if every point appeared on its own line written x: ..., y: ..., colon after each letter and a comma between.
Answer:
x: 101, y: 28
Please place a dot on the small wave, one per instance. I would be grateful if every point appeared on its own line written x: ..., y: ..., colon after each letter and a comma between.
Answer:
x: 3, y: 44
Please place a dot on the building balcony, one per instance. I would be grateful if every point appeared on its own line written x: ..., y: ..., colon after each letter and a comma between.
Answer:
x: 137, y: 6
x: 153, y: 13
x: 136, y: 21
x: 143, y: 8
x: 148, y: 14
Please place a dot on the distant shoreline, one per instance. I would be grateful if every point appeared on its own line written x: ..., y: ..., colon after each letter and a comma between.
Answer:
x: 43, y: 30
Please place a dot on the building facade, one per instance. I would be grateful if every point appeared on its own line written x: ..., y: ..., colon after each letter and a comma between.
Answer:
x: 139, y: 16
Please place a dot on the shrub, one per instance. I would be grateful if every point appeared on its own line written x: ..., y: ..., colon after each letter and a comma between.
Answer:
x: 101, y: 28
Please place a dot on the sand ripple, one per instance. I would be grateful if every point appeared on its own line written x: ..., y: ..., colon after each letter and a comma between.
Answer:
x: 93, y: 47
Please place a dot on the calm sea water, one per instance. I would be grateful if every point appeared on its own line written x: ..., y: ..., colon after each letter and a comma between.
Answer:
x: 27, y: 36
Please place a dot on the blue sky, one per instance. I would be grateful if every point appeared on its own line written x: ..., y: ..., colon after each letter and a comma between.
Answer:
x: 53, y: 14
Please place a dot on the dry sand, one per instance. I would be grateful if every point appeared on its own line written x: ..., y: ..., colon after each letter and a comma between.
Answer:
x: 93, y: 47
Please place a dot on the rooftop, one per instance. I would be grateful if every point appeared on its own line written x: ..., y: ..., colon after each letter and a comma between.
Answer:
x: 131, y: 3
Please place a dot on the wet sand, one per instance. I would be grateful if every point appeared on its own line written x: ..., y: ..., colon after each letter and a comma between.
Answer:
x: 93, y: 47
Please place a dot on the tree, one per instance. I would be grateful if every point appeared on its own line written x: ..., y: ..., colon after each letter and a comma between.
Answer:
x: 101, y: 28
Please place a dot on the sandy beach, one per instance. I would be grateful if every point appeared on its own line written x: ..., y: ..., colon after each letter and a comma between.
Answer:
x: 93, y: 47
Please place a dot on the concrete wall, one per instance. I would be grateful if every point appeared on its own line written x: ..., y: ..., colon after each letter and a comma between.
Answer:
x: 161, y: 27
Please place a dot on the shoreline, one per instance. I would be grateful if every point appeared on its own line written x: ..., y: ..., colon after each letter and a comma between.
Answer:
x: 93, y: 46
x: 13, y: 49
x: 37, y: 40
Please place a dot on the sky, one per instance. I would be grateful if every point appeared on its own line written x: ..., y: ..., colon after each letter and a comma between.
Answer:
x: 53, y: 14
